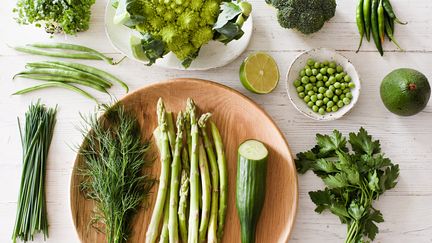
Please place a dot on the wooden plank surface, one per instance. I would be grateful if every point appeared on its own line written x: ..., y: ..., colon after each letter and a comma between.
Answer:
x: 407, y: 209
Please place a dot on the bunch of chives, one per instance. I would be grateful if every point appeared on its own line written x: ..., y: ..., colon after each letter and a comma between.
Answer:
x: 31, y: 217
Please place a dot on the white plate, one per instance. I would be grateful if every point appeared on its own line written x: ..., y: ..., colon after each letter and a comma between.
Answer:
x: 321, y: 55
x: 212, y: 55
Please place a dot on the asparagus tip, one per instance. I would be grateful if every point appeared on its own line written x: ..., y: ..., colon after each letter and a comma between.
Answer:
x: 203, y: 119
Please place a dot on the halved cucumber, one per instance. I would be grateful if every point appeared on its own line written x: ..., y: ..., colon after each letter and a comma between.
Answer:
x: 250, y: 186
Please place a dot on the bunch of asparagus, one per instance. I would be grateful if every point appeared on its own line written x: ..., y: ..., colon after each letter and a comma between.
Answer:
x: 193, y: 178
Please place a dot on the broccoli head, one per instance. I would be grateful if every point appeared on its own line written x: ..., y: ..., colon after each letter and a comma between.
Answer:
x: 307, y: 16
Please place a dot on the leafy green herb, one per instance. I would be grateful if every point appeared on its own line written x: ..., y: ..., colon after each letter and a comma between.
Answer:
x: 354, y: 180
x: 114, y: 159
x: 60, y: 16
x: 36, y: 138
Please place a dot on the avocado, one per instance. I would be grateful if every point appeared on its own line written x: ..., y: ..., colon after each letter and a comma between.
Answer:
x: 405, y: 91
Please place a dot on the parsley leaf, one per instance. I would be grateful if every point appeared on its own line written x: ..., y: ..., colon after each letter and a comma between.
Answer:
x: 362, y: 143
x: 331, y: 143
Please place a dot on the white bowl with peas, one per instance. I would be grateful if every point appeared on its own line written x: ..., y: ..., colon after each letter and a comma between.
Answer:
x: 323, y: 84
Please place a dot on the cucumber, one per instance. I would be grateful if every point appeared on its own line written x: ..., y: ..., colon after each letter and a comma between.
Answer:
x: 250, y: 186
x: 137, y: 49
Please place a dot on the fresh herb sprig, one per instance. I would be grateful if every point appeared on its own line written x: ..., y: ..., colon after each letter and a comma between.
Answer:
x: 354, y: 180
x: 36, y: 138
x: 114, y: 171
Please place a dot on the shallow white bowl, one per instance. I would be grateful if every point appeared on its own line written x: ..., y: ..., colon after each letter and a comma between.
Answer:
x: 320, y: 55
x: 212, y: 55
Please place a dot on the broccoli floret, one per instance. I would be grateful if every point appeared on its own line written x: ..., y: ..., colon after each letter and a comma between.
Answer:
x: 307, y: 16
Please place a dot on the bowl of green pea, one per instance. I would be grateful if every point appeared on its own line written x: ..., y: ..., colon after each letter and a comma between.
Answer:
x: 323, y: 84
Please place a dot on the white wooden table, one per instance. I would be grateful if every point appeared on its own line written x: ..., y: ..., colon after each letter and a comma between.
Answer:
x: 407, y: 209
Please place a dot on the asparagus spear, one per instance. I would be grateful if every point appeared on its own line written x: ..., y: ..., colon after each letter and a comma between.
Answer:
x: 194, y: 175
x: 223, y: 181
x: 185, y: 160
x: 175, y: 181
x: 188, y: 133
x: 171, y: 131
x: 206, y: 197
x: 183, y: 204
x: 164, y: 237
x: 160, y: 134
x: 211, y: 235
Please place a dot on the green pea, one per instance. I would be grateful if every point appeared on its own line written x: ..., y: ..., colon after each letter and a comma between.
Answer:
x: 310, y: 62
x: 323, y: 71
x: 302, y: 95
x: 320, y: 96
x: 332, y: 64
x: 308, y: 87
x: 332, y: 80
x: 310, y: 104
x: 321, y: 111
x: 344, y: 74
x: 307, y: 67
x: 349, y: 95
x: 325, y: 78
x: 351, y: 85
x: 315, y: 71
x: 332, y: 88
x: 326, y: 63
x: 300, y: 89
x: 343, y: 86
x: 306, y: 98
x: 297, y: 83
x: 338, y: 91
x: 341, y: 96
x: 308, y: 72
x: 337, y: 85
x: 322, y: 65
x: 335, y: 98
x: 314, y: 98
x: 339, y: 69
x: 335, y: 108
x: 320, y: 84
x: 327, y: 84
x: 302, y: 73
x: 328, y: 109
x: 331, y: 71
x: 330, y: 103
x: 340, y: 104
x: 319, y: 102
x: 317, y: 65
x: 312, y: 79
x: 329, y: 93
x: 347, y: 78
x: 346, y: 101
x: 345, y: 91
x: 319, y: 76
x: 315, y: 108
x: 339, y: 77
x: 305, y: 80
x: 326, y: 100
x: 310, y: 92
x: 322, y: 90
x: 315, y: 89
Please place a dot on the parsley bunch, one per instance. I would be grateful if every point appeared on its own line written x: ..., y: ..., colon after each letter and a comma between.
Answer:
x: 58, y: 16
x: 354, y: 180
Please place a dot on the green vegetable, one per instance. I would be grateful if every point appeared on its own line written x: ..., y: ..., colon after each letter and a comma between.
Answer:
x: 381, y: 21
x: 62, y: 16
x: 354, y: 180
x: 35, y: 51
x: 307, y: 16
x: 389, y: 10
x: 367, y: 6
x: 183, y: 205
x: 360, y: 22
x: 206, y: 189
x: 223, y: 178
x: 375, y: 26
x: 113, y: 146
x: 161, y: 135
x: 389, y: 31
x: 250, y: 186
x: 31, y: 217
x: 181, y: 27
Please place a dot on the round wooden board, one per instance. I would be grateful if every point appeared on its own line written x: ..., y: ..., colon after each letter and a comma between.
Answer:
x: 238, y: 119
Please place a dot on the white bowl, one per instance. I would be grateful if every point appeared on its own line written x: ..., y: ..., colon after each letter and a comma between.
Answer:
x: 212, y: 55
x: 320, y: 55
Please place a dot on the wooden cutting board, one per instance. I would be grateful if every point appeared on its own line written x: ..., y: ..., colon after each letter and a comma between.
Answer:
x: 238, y: 118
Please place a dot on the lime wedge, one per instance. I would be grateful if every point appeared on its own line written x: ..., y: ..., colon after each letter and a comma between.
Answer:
x: 137, y: 50
x: 259, y: 73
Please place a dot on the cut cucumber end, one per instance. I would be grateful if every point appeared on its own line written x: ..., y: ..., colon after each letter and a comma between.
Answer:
x: 121, y: 16
x: 136, y: 47
x: 253, y: 150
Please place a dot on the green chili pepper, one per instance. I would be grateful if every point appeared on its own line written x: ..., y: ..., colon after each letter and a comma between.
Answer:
x: 360, y: 22
x: 381, y: 21
x: 375, y: 28
x: 367, y: 17
x: 389, y: 31
x: 389, y: 9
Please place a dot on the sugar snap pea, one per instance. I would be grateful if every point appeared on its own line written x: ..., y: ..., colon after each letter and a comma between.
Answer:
x: 41, y: 52
x: 374, y: 26
x: 360, y: 22
x: 367, y: 5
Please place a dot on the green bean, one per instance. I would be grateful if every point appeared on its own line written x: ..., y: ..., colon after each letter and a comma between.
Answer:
x: 389, y: 10
x: 72, y: 74
x: 73, y: 47
x: 381, y: 21
x: 360, y: 22
x: 374, y: 25
x: 34, y: 51
x: 367, y: 5
x: 63, y: 80
x: 51, y: 65
x: 95, y: 71
x: 389, y: 31
x: 55, y: 84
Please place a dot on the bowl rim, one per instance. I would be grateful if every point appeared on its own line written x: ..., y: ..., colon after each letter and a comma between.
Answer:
x: 326, y: 117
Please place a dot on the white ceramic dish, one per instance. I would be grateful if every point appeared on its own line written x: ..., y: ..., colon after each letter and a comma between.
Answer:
x: 212, y: 55
x: 320, y: 55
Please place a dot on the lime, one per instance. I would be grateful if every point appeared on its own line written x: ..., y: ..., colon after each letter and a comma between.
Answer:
x: 259, y: 73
